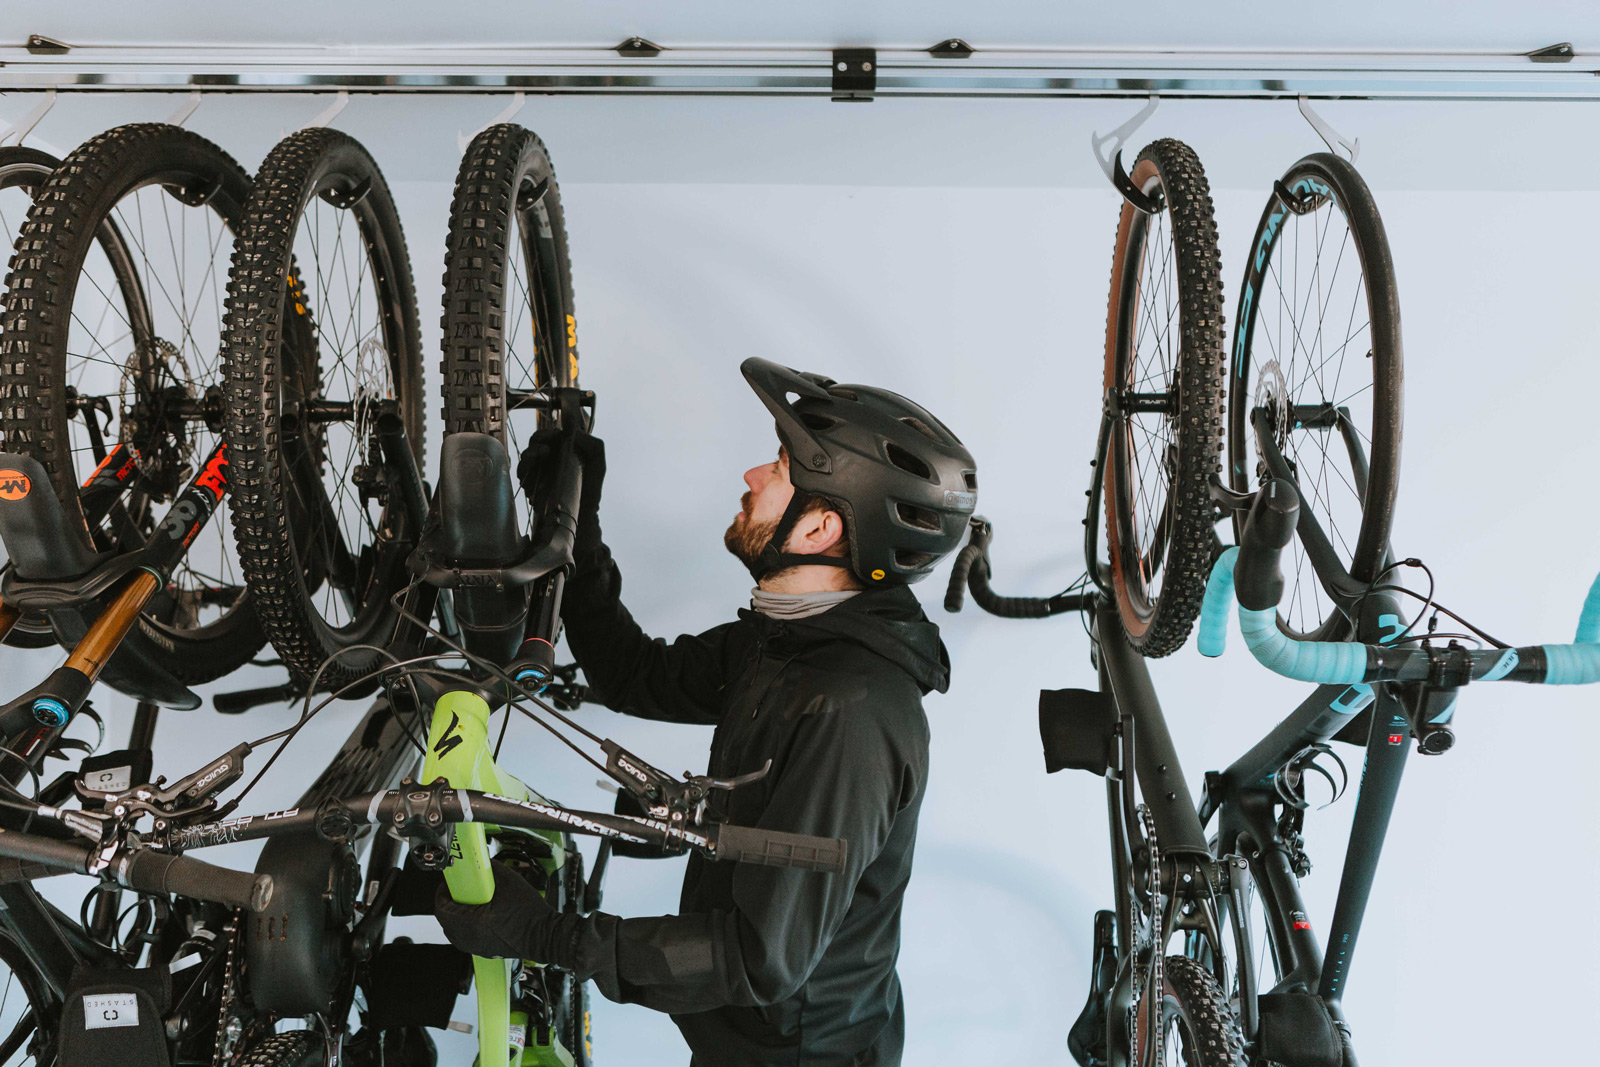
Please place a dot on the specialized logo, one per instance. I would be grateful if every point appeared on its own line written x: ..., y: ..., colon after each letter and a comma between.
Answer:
x: 14, y: 485
x: 451, y: 739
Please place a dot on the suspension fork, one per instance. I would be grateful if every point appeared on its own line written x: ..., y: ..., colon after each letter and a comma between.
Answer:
x: 53, y: 702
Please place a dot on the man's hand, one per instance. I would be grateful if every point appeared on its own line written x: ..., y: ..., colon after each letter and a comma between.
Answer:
x: 517, y: 923
x: 535, y: 472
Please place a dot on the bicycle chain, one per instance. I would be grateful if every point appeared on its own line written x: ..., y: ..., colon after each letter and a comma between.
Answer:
x: 1157, y: 951
x: 225, y: 1041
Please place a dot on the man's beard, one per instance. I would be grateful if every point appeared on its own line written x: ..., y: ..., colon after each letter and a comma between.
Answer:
x: 745, y: 537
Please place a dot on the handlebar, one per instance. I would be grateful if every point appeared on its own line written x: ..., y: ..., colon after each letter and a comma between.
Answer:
x: 411, y: 811
x: 1251, y: 571
x: 141, y: 869
x: 971, y: 570
x: 418, y: 810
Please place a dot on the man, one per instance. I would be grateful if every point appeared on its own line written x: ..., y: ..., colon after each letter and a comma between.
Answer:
x: 824, y: 677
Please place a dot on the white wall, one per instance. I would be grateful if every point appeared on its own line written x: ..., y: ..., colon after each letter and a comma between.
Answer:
x: 987, y: 304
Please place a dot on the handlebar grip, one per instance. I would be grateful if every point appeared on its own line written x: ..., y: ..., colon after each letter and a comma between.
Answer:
x: 245, y: 699
x: 1007, y: 607
x: 1588, y: 620
x: 158, y: 872
x: 1270, y: 527
x: 955, y: 593
x: 1215, y: 608
x: 1572, y: 664
x: 774, y: 848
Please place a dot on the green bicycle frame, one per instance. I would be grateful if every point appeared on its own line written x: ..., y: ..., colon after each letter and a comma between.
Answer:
x: 459, y: 752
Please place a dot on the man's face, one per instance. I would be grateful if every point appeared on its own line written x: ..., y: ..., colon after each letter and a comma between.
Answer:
x: 760, y: 509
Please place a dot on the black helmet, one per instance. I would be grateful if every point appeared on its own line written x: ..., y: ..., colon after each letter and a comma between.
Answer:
x: 903, y: 483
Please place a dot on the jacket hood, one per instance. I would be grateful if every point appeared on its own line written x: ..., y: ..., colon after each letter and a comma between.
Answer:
x: 889, y: 621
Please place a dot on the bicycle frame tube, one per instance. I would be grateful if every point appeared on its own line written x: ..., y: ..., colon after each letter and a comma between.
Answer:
x: 459, y: 751
x: 1156, y: 765
x: 52, y: 942
x: 1387, y: 749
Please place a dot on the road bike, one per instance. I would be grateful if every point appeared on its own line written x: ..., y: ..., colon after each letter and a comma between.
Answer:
x: 1313, y: 453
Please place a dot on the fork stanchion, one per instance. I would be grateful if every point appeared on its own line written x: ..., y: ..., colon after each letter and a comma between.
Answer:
x: 61, y: 695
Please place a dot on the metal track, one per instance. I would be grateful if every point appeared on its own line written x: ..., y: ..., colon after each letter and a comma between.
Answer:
x: 804, y: 72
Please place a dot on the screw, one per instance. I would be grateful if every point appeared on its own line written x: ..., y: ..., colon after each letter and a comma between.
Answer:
x: 866, y: 66
x: 1162, y: 767
x: 819, y: 458
x: 1172, y: 796
x: 844, y: 66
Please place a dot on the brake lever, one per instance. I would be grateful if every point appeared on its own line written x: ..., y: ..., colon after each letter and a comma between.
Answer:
x: 663, y: 796
x: 709, y: 783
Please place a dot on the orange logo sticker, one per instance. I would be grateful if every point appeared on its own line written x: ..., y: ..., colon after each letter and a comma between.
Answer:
x: 14, y: 485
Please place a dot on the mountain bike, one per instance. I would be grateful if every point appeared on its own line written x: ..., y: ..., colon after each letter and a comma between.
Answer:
x: 1319, y: 327
x: 308, y: 934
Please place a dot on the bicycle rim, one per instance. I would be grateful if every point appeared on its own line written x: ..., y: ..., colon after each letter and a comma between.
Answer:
x: 1317, y: 350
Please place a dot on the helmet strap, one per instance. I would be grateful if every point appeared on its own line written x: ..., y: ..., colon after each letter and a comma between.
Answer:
x: 773, y: 558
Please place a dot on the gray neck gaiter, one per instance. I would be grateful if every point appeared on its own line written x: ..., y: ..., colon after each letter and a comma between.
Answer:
x: 796, y: 605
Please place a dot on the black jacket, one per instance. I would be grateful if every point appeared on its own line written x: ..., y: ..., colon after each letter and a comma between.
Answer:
x: 765, y: 965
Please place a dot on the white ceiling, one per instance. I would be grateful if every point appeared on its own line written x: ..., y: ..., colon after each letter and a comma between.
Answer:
x: 1496, y: 25
x: 975, y: 143
x: 911, y: 142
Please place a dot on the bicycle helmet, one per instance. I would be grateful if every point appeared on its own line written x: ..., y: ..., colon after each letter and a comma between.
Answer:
x: 903, y: 483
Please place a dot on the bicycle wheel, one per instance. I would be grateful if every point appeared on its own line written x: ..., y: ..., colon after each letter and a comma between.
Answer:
x: 1198, y: 1028
x: 509, y: 326
x: 28, y: 1016
x: 1164, y: 374
x: 111, y: 333
x: 315, y: 355
x: 22, y: 173
x: 1319, y: 296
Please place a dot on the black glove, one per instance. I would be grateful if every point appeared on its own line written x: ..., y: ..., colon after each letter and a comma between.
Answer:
x: 536, y: 473
x: 517, y: 923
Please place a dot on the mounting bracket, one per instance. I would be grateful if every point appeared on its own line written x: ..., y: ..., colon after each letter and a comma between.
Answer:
x: 855, y: 74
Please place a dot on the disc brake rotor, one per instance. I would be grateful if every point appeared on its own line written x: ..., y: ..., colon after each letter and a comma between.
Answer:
x: 1272, y: 393
x: 155, y: 379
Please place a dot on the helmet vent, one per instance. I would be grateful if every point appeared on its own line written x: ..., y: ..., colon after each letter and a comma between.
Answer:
x: 906, y: 461
x: 921, y: 518
x: 922, y: 428
x: 843, y: 394
x: 971, y: 479
x: 814, y: 421
x: 911, y: 560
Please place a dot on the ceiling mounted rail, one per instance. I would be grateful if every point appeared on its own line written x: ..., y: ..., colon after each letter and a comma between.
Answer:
x: 901, y: 72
